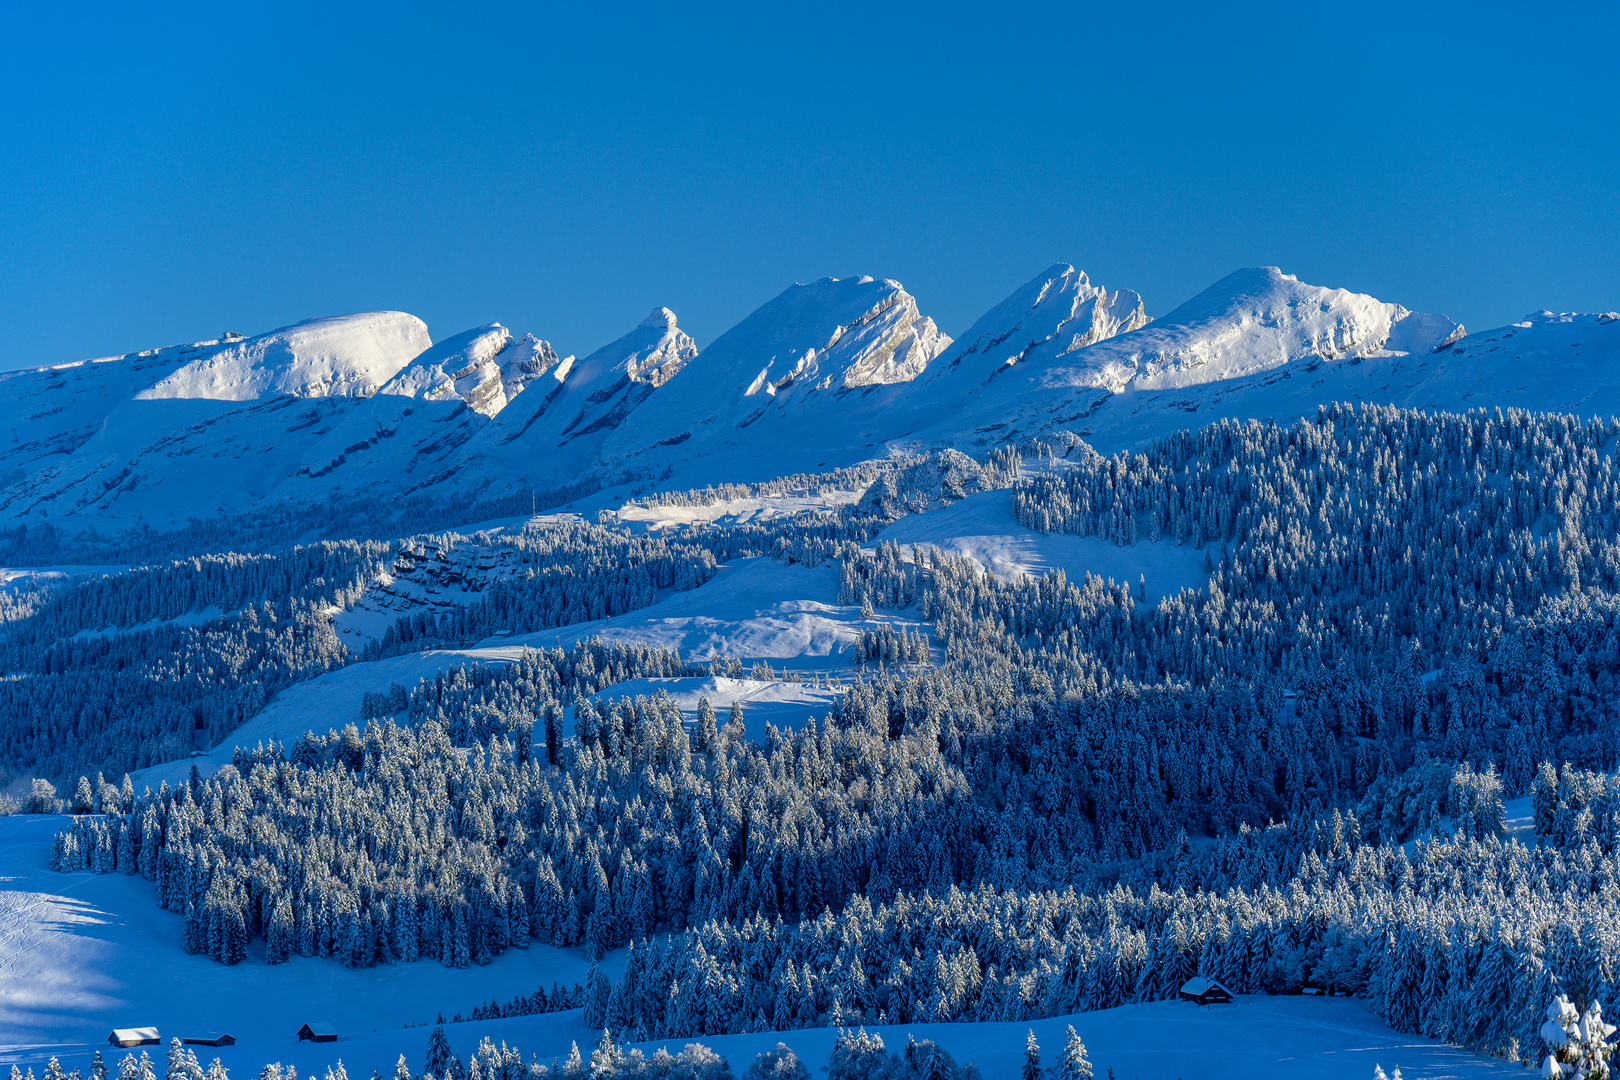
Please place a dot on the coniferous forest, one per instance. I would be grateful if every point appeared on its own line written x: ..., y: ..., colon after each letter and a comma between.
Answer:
x: 1053, y: 797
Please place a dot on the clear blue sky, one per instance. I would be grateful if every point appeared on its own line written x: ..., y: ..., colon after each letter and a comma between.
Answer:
x: 167, y: 174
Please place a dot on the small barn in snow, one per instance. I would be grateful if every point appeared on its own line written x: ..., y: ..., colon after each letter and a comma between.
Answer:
x: 1205, y: 991
x: 143, y: 1036
x: 317, y: 1032
x: 208, y: 1038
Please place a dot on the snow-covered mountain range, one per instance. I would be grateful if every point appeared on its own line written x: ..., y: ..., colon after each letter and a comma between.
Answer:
x: 824, y: 375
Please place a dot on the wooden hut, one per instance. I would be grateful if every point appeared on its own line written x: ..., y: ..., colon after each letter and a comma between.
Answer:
x: 141, y: 1036
x: 319, y: 1031
x: 208, y: 1038
x: 1205, y: 991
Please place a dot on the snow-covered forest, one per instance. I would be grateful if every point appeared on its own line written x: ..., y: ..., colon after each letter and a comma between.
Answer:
x: 1059, y: 798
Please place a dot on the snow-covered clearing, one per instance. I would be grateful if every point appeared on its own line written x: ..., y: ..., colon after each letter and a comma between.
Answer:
x: 82, y: 953
x: 786, y: 704
x: 752, y: 609
x: 758, y: 510
x: 982, y: 527
x: 322, y: 704
x: 1519, y: 818
x: 263, y: 1007
x: 26, y: 577
x: 199, y: 617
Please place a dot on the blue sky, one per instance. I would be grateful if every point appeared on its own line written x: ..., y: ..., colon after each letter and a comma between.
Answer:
x: 167, y: 174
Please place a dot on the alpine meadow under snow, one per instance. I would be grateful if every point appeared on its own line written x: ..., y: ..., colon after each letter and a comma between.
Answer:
x: 836, y: 698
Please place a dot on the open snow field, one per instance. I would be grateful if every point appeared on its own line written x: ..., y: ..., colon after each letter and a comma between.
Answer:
x: 1324, y: 1039
x: 79, y: 951
x: 321, y: 704
x: 756, y: 509
x: 753, y: 609
x: 982, y: 527
x: 786, y: 704
x: 82, y: 953
x: 25, y: 577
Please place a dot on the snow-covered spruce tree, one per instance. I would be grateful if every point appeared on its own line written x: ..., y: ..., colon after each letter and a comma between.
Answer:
x: 778, y: 1063
x: 1073, y: 1064
x: 1580, y: 1045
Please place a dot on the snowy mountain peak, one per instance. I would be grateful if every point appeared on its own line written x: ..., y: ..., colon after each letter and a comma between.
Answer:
x: 651, y: 353
x: 339, y: 356
x: 1252, y: 320
x: 482, y: 367
x: 525, y: 361
x: 661, y: 317
x: 1055, y: 313
x: 592, y: 397
x: 1418, y: 332
x: 836, y: 333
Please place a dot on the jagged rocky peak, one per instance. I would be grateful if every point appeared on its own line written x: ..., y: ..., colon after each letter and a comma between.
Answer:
x: 655, y: 351
x: 1055, y: 313
x: 524, y: 361
x: 339, y: 356
x: 892, y: 342
x: 836, y: 333
x: 595, y: 395
x: 1250, y: 321
x: 483, y: 367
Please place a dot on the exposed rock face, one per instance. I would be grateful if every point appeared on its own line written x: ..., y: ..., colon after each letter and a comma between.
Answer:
x: 483, y: 367
x: 1054, y: 314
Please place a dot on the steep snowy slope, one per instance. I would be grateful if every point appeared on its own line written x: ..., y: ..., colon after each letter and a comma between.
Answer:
x: 194, y: 429
x: 824, y: 375
x: 343, y: 356
x: 54, y: 410
x: 1056, y: 313
x: 562, y: 430
x: 484, y: 368
x: 1544, y: 363
x: 812, y: 369
x: 1250, y: 324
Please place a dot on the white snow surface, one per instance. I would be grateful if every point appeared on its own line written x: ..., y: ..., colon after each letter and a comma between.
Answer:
x: 824, y: 375
x: 982, y: 527
x: 561, y: 431
x: 784, y: 703
x: 795, y: 380
x: 343, y: 356
x: 483, y: 368
x: 83, y: 953
x: 1054, y: 314
x: 757, y: 509
x: 324, y: 703
x: 752, y: 609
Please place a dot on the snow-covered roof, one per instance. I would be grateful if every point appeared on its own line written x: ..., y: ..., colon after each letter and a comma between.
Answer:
x: 321, y: 1028
x: 1200, y: 985
x: 140, y: 1033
